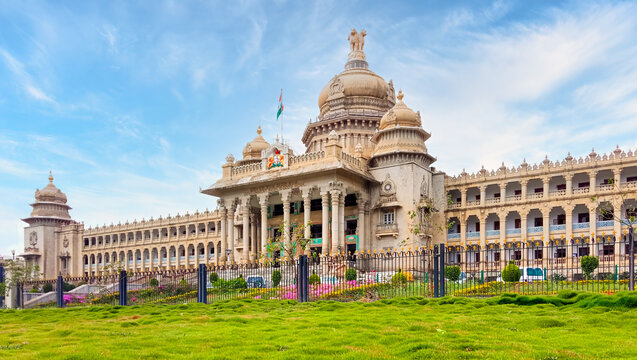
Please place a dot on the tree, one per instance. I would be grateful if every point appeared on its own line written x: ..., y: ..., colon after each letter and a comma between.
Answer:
x: 297, y: 245
x: 511, y: 273
x: 452, y: 273
x: 589, y: 264
x: 605, y: 209
x: 20, y: 272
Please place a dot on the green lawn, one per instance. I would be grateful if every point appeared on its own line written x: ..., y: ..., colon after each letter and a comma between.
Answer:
x: 585, y: 326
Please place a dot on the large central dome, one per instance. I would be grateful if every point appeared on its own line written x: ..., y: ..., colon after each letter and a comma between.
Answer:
x: 354, y: 82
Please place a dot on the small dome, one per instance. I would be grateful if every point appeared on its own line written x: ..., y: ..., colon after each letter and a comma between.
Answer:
x: 253, y: 149
x: 50, y: 193
x: 354, y: 82
x: 400, y: 115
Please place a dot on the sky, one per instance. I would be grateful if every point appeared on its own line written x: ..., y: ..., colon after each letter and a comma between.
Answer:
x: 134, y: 105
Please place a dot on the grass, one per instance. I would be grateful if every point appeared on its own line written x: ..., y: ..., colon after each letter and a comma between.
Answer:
x: 568, y: 326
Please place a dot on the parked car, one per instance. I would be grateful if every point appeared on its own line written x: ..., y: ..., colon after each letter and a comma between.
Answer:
x: 255, y: 282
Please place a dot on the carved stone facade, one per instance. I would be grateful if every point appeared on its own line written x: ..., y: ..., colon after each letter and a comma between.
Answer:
x: 365, y: 167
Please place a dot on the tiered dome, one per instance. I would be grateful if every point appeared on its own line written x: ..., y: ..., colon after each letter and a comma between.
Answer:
x: 50, y: 193
x: 354, y: 82
x: 253, y: 149
x: 400, y: 115
x: 49, y: 206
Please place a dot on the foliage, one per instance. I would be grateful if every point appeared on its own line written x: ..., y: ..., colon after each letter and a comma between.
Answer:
x: 66, y: 287
x: 276, y: 278
x: 589, y: 264
x: 297, y: 241
x: 18, y: 272
x: 558, y: 277
x: 511, y: 273
x: 314, y: 279
x: 34, y: 289
x: 153, y: 282
x: 214, y: 277
x: 350, y: 274
x: 399, y: 278
x: 452, y: 273
x: 47, y: 288
x: 3, y: 289
x: 183, y: 282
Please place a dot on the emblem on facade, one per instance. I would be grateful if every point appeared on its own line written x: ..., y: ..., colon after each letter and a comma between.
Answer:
x: 65, y: 242
x: 387, y: 188
x: 276, y: 160
x: 33, y: 238
x: 424, y: 188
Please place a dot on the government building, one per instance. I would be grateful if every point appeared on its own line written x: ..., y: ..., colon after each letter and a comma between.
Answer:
x: 364, y: 182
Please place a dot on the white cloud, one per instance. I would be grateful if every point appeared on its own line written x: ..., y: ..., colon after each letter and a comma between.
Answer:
x: 24, y: 78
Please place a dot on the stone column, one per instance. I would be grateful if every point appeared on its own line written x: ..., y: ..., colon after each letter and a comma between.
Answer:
x: 285, y: 197
x: 245, y: 254
x: 592, y: 179
x: 569, y: 234
x: 617, y: 228
x: 545, y: 237
x: 231, y: 231
x: 483, y: 239
x: 525, y: 250
x: 523, y: 184
x: 503, y: 194
x: 569, y: 184
x: 503, y: 229
x: 341, y: 223
x: 253, y: 237
x: 463, y: 197
x: 483, y: 195
x: 593, y: 228
x: 335, y: 219
x: 617, y: 177
x: 463, y: 231
x: 360, y: 225
x: 263, y: 201
x: 545, y: 183
x: 325, y: 226
x: 224, y: 235
x: 305, y: 193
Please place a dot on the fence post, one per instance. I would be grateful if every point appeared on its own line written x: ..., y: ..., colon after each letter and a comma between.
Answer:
x: 123, y: 288
x: 303, y: 282
x: 201, y: 284
x: 436, y: 278
x: 442, y: 271
x: 60, y: 291
x: 631, y: 260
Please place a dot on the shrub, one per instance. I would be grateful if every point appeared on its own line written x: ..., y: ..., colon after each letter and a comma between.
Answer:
x: 350, y: 274
x: 558, y: 277
x: 238, y: 283
x: 214, y: 277
x: 589, y: 264
x: 34, y: 289
x: 315, y: 279
x: 2, y: 289
x: 511, y: 273
x: 46, y: 288
x: 399, y: 278
x: 452, y: 273
x: 276, y: 278
x: 183, y: 282
x: 153, y: 282
x: 68, y: 287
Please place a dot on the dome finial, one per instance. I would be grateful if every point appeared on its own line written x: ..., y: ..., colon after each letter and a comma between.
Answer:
x: 400, y: 95
x: 50, y: 176
x: 259, y: 130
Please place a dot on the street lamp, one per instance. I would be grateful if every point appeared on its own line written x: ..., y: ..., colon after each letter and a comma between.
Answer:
x: 228, y: 251
x: 13, y: 254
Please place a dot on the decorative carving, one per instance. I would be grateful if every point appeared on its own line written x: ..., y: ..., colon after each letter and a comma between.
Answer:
x: 424, y: 188
x: 65, y: 242
x: 391, y: 94
x: 230, y: 158
x: 33, y: 238
x: 336, y: 87
x: 388, y: 188
x: 357, y: 40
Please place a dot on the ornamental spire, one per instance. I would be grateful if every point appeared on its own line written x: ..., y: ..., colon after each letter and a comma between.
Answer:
x: 50, y: 177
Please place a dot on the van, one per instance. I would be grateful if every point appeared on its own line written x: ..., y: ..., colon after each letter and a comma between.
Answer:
x: 530, y: 274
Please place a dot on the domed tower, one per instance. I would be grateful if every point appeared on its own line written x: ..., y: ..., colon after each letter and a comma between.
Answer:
x: 252, y: 151
x: 352, y: 103
x: 402, y: 166
x: 50, y: 212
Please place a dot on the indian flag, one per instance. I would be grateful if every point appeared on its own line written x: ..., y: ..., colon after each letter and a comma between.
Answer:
x: 278, y: 113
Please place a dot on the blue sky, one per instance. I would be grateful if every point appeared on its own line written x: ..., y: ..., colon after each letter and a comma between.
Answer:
x: 135, y: 105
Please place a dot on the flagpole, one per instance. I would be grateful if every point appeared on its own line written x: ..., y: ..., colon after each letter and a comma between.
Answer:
x: 281, y: 104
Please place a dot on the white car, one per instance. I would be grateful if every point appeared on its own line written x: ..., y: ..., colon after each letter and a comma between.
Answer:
x: 530, y: 274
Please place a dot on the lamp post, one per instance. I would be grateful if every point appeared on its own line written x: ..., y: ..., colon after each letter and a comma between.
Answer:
x: 13, y: 254
x: 228, y: 252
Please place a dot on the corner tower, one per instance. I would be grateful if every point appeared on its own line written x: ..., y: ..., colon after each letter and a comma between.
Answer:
x: 352, y: 103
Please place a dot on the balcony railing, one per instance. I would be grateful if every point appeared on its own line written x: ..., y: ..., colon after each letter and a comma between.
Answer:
x: 387, y: 228
x: 513, y: 231
x: 473, y: 203
x: 494, y: 200
x: 535, y: 195
x: 455, y: 205
x: 605, y: 187
x: 453, y: 236
x: 582, y: 190
x: 605, y: 224
x: 561, y: 227
x: 558, y: 193
x: 579, y: 226
x: 630, y: 185
x: 534, y: 229
x: 514, y: 198
x: 493, y: 233
x: 191, y: 257
x: 474, y: 234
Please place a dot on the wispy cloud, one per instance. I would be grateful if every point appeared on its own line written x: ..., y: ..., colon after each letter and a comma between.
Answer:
x: 24, y: 79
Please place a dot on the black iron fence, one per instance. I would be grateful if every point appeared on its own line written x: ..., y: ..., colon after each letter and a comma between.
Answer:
x: 368, y: 276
